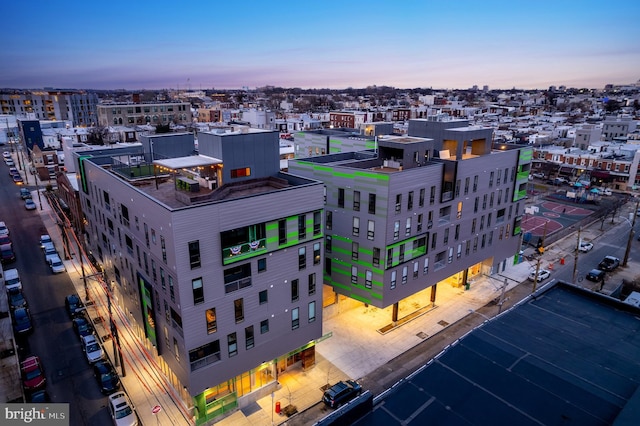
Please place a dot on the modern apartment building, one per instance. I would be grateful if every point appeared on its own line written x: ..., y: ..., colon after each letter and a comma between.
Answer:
x: 78, y: 106
x: 419, y: 212
x: 113, y: 114
x: 216, y: 255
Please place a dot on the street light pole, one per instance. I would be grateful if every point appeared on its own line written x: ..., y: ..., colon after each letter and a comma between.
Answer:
x: 631, y: 232
x: 575, y: 259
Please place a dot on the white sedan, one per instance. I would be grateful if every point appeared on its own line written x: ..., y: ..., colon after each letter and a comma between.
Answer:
x: 585, y: 247
x: 543, y: 274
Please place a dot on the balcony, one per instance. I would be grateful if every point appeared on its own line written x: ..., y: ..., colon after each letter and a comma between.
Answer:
x: 243, y: 251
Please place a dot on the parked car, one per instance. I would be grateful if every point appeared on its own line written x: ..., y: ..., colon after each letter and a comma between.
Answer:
x: 92, y: 349
x: 22, y: 321
x: 25, y: 193
x: 106, y: 377
x: 17, y: 179
x: 609, y: 263
x: 29, y: 204
x: 33, y: 377
x: 6, y: 154
x: 56, y: 264
x: 45, y: 239
x: 607, y: 192
x: 82, y: 326
x: 595, y: 275
x: 122, y: 411
x: 12, y: 279
x: 5, y: 240
x: 9, y: 162
x: 39, y: 397
x: 538, y: 175
x: 7, y: 255
x: 73, y: 304
x: 3, y: 229
x: 49, y: 249
x: 341, y: 393
x: 16, y: 299
x: 13, y: 171
x: 543, y: 274
x: 585, y: 247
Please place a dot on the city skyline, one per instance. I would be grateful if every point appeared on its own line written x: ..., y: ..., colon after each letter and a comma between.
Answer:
x: 203, y: 45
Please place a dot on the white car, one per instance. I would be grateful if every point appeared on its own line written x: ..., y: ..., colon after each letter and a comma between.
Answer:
x: 49, y: 249
x: 92, y: 349
x: 56, y: 264
x: 45, y: 239
x: 543, y: 274
x: 538, y: 175
x: 29, y: 204
x: 585, y: 247
x: 3, y: 229
x: 121, y: 410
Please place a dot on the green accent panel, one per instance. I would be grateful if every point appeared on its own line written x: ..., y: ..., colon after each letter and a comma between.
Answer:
x: 376, y: 296
x: 335, y: 141
x: 339, y: 285
x: 526, y: 155
x: 318, y: 168
x: 370, y: 144
x: 377, y: 176
x: 271, y: 226
x: 272, y: 240
x: 334, y: 150
x: 341, y: 238
x: 342, y: 174
x: 523, y: 175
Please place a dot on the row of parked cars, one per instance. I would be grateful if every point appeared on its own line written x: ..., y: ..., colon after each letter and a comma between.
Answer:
x: 608, y: 264
x: 120, y: 406
x: 13, y: 171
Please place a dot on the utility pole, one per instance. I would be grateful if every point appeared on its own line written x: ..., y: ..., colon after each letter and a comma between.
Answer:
x: 501, y: 300
x: 631, y: 232
x: 575, y: 259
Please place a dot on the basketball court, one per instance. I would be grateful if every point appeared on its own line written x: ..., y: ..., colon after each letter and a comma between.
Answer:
x: 550, y: 216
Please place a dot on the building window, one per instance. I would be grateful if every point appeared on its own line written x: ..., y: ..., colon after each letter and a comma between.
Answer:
x: 212, y: 324
x: 295, y: 290
x: 368, y: 279
x: 328, y: 244
x: 405, y: 273
x: 396, y: 229
x: 356, y: 201
x: 282, y: 231
x: 248, y: 337
x: 457, y: 233
x: 194, y: 254
x: 316, y: 253
x: 456, y: 192
x: 490, y: 179
x: 407, y: 228
x: 263, y: 297
x: 171, y: 289
x: 372, y: 203
x: 401, y: 253
x: 419, y: 226
x: 446, y: 236
x: 264, y: 326
x: 484, y: 202
x: 198, y: 292
x: 481, y: 222
x: 467, y: 248
x: 432, y: 196
x: 425, y: 268
x: 295, y: 318
x: 376, y: 256
x: 398, y: 202
x: 164, y: 249
x: 356, y: 226
x: 243, y: 172
x: 434, y: 240
x: 410, y: 201
x: 393, y: 280
x: 317, y: 223
x: 354, y: 250
x: 262, y: 264
x: 421, y: 198
x: 371, y: 230
x: 238, y: 310
x: 340, y: 197
x: 416, y: 268
x: 232, y: 344
x: 302, y: 226
x: 459, y: 213
x: 312, y: 311
x: 162, y: 280
x: 312, y: 284
x: 389, y: 257
x: 176, y: 349
x: 354, y: 274
x: 302, y: 258
x: 491, y: 200
x: 329, y: 220
x: 467, y: 181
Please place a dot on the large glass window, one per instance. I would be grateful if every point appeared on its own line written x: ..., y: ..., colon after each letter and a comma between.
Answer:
x: 295, y: 318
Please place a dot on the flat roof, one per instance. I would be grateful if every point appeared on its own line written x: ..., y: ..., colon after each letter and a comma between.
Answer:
x: 186, y: 162
x: 565, y: 356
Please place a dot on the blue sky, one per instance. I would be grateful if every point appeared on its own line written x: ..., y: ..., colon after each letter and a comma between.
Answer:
x: 201, y: 44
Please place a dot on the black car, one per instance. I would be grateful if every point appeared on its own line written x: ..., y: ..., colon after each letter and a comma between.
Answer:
x: 22, y: 321
x: 39, y: 396
x: 16, y: 299
x: 595, y: 275
x: 73, y: 304
x: 106, y: 377
x: 609, y: 263
x: 341, y: 393
x: 82, y: 326
x: 7, y: 255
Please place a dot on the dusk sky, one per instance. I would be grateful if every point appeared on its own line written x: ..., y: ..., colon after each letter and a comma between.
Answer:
x: 203, y: 44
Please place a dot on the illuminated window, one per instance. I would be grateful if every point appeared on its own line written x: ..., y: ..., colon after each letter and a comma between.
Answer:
x: 244, y: 172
